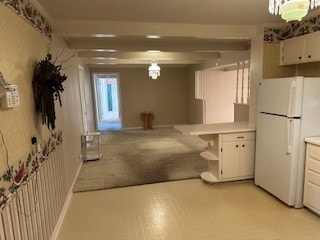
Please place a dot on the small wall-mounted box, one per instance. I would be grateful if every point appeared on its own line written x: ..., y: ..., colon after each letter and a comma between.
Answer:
x: 10, y: 98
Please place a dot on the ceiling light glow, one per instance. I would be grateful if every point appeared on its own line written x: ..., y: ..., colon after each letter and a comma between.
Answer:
x: 153, y: 36
x: 153, y: 51
x: 154, y: 70
x: 292, y: 10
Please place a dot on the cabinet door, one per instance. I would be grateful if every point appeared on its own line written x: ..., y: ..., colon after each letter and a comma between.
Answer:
x: 312, y: 50
x: 247, y: 158
x: 230, y: 160
x: 292, y: 51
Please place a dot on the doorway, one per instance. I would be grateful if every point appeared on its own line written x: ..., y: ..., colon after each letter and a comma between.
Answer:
x: 107, y: 98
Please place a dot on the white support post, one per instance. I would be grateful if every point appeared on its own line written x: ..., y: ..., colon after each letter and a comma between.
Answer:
x: 249, y: 79
x: 242, y: 85
x: 237, y: 87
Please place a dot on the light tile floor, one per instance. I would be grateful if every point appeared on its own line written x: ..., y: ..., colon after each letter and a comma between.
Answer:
x: 188, y: 210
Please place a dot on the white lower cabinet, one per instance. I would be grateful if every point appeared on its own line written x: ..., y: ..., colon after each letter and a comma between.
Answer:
x: 230, y: 160
x: 312, y: 178
x: 230, y: 156
x: 238, y: 156
x: 247, y: 153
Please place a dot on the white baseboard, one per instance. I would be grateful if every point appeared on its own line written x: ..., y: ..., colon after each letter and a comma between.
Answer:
x: 163, y: 126
x: 65, y: 207
x: 157, y: 126
x: 132, y: 128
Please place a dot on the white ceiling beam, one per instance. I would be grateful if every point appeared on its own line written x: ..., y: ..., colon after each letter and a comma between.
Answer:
x: 225, y: 60
x: 138, y: 61
x: 78, y: 28
x: 155, y: 44
x: 148, y: 55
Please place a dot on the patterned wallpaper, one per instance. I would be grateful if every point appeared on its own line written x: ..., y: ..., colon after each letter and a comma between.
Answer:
x: 27, y: 11
x: 13, y: 178
x: 292, y: 30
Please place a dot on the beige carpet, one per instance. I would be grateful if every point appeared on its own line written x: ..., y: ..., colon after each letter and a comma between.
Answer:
x: 135, y: 157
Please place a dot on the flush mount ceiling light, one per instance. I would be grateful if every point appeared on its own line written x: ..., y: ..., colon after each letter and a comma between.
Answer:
x: 153, y: 36
x: 292, y: 10
x: 154, y: 70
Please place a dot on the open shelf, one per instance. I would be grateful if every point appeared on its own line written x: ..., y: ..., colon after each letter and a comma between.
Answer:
x: 91, y: 146
x: 209, y: 156
x: 209, y: 177
x: 92, y: 157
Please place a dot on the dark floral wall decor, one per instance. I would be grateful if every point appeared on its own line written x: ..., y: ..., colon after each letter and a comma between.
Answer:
x: 27, y: 11
x: 47, y: 86
x: 294, y: 29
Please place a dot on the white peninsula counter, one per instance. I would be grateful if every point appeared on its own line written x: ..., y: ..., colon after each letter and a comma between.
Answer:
x: 230, y: 152
x: 215, y: 128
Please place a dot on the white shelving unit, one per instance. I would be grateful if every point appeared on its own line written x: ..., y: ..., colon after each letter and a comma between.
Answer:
x: 91, y: 146
x: 212, y: 156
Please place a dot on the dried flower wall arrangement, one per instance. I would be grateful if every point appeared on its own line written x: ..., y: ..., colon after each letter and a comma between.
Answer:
x: 47, y: 87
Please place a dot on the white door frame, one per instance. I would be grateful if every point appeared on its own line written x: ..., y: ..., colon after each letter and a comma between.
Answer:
x: 83, y: 99
x: 94, y: 74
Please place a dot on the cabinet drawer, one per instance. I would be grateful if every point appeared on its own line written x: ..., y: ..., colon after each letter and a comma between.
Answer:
x: 314, y: 151
x: 313, y: 177
x: 312, y: 195
x: 313, y: 165
x: 238, y: 136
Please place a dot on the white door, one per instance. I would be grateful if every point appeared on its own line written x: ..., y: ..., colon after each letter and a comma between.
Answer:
x: 276, y: 163
x: 281, y: 96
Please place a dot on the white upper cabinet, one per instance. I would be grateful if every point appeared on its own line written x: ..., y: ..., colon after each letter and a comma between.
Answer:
x: 292, y: 51
x: 300, y: 49
x: 312, y: 48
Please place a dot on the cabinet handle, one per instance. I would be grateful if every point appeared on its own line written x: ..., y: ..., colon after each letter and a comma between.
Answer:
x: 300, y: 57
x: 309, y: 56
x: 243, y: 145
x: 237, y: 145
x: 241, y: 137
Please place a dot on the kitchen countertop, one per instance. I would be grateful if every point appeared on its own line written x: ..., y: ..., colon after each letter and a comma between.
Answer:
x: 215, y: 128
x: 313, y: 140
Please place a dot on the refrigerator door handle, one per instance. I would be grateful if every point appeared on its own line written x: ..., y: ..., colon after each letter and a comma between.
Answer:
x: 289, y: 136
x: 292, y: 87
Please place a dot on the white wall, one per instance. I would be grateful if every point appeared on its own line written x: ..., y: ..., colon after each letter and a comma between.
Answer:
x: 195, y: 106
x: 256, y: 72
x: 167, y: 96
x: 70, y: 117
x: 221, y: 94
x: 88, y: 82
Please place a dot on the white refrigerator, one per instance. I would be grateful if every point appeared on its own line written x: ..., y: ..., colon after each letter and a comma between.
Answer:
x: 288, y: 111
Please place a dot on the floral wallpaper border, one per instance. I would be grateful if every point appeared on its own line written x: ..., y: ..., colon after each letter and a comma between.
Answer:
x: 27, y: 11
x: 12, y: 178
x: 295, y: 29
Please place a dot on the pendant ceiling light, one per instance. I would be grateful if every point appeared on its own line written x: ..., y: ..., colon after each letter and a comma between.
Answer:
x: 292, y: 10
x: 154, y: 70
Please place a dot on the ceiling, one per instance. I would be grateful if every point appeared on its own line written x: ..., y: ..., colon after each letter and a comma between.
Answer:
x: 107, y: 32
